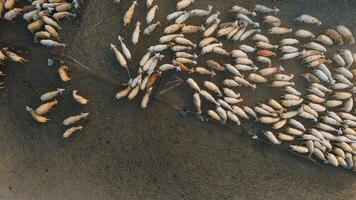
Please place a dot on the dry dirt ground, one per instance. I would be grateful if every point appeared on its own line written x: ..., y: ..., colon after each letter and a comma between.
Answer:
x: 126, y: 153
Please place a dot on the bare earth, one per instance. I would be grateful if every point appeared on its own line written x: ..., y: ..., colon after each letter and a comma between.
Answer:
x: 126, y: 153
